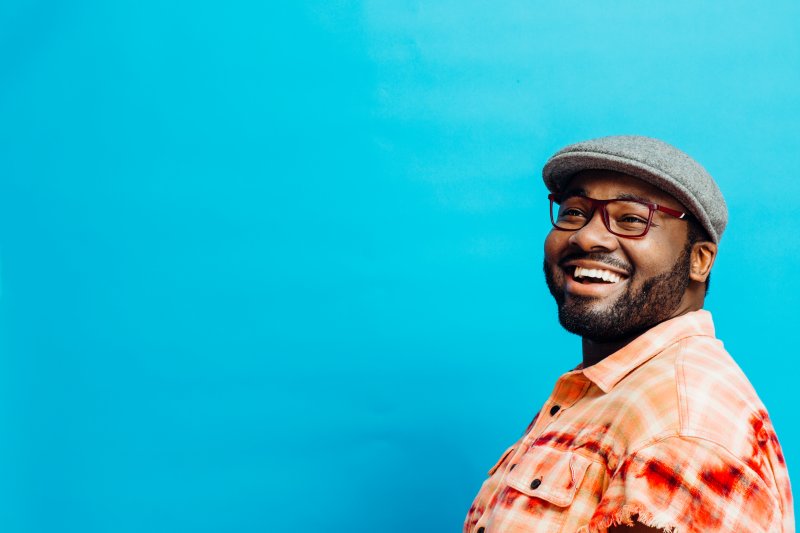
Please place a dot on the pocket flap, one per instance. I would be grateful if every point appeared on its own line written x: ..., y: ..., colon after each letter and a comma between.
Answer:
x: 550, y: 474
x: 502, y: 458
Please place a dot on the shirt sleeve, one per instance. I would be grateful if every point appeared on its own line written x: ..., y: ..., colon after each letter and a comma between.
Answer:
x: 689, y: 485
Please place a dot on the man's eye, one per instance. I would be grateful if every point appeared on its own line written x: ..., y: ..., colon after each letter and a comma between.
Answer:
x: 571, y: 212
x: 632, y: 219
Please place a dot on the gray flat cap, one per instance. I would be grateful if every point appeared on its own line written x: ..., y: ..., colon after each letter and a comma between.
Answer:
x: 656, y: 162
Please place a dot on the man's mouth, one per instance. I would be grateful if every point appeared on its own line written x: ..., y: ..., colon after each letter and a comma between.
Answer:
x: 591, y: 280
x: 595, y: 275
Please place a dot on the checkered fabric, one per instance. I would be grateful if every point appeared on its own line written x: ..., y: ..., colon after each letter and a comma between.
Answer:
x: 667, y: 431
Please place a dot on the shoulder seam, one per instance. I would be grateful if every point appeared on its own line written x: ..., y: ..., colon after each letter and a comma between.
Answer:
x: 680, y: 387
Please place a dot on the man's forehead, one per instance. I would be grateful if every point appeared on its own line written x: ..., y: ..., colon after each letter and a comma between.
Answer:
x: 611, y: 184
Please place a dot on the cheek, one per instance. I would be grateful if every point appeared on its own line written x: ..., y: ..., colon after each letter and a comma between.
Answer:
x: 652, y: 259
x: 553, y: 245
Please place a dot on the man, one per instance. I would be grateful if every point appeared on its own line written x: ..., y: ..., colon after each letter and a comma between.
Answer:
x: 658, y: 429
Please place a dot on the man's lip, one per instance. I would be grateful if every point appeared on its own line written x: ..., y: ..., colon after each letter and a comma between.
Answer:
x: 593, y: 265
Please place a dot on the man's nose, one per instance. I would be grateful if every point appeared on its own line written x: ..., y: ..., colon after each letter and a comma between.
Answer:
x: 594, y: 236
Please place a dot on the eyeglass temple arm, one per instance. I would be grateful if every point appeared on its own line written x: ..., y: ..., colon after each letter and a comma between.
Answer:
x: 670, y: 211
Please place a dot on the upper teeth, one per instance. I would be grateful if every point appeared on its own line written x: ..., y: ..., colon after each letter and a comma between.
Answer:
x: 599, y: 273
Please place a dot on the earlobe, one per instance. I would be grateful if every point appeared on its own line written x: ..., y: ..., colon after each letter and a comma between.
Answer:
x: 703, y: 255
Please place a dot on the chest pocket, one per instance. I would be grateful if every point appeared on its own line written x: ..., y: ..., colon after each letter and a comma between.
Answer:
x: 549, y: 474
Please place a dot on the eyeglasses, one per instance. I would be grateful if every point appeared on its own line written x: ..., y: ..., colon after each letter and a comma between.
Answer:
x: 625, y: 218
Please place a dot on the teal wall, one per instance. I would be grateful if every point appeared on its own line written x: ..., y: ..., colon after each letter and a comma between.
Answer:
x: 276, y: 266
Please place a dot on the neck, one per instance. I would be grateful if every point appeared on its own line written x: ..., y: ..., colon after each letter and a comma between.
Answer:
x: 596, y: 351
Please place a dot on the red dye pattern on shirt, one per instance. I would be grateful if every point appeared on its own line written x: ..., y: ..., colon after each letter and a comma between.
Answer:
x: 667, y: 429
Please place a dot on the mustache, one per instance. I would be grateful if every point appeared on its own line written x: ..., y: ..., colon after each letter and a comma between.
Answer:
x: 598, y: 257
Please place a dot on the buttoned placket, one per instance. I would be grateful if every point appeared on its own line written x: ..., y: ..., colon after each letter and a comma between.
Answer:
x: 569, y: 389
x: 565, y: 394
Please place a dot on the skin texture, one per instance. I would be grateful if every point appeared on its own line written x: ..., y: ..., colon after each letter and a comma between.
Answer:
x: 648, y: 262
x: 665, y: 274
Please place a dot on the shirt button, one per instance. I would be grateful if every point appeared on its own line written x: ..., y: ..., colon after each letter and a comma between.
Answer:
x: 554, y: 409
x: 535, y: 483
x: 481, y: 529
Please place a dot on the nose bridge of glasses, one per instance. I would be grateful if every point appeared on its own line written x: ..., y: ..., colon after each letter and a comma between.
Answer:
x: 597, y: 210
x: 594, y: 234
x: 598, y: 207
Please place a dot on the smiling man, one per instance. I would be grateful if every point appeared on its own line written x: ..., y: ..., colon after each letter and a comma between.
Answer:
x: 657, y: 429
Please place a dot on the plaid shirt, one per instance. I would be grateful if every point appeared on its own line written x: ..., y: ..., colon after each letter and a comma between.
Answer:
x: 667, y: 428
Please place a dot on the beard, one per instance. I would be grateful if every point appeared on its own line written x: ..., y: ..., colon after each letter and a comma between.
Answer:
x: 633, y: 312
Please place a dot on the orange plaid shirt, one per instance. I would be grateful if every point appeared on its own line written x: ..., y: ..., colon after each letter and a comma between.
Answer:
x: 667, y: 428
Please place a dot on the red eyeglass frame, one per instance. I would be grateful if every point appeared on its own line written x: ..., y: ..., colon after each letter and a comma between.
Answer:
x: 601, y: 205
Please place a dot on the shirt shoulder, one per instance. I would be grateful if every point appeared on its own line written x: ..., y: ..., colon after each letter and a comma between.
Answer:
x: 715, y: 399
x: 690, y: 484
x: 702, y: 407
x: 692, y: 388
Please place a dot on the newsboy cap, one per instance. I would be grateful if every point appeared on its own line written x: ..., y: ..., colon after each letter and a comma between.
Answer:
x: 653, y: 161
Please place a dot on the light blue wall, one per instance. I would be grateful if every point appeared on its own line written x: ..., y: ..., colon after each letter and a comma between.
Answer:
x: 277, y: 267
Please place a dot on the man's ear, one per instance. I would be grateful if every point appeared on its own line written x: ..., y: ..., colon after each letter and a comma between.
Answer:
x: 703, y: 255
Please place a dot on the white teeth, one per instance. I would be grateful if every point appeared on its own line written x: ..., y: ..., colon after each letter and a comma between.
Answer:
x: 605, y: 275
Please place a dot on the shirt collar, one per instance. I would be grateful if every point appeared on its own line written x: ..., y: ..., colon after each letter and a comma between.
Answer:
x: 611, y: 370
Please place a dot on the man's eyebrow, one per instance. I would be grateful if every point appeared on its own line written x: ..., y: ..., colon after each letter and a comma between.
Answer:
x: 575, y: 191
x: 636, y: 197
x: 579, y: 191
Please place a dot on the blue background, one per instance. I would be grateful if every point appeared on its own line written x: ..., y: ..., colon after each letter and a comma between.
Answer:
x: 277, y: 266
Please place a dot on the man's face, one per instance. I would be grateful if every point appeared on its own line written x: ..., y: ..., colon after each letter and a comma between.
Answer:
x: 651, y: 272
